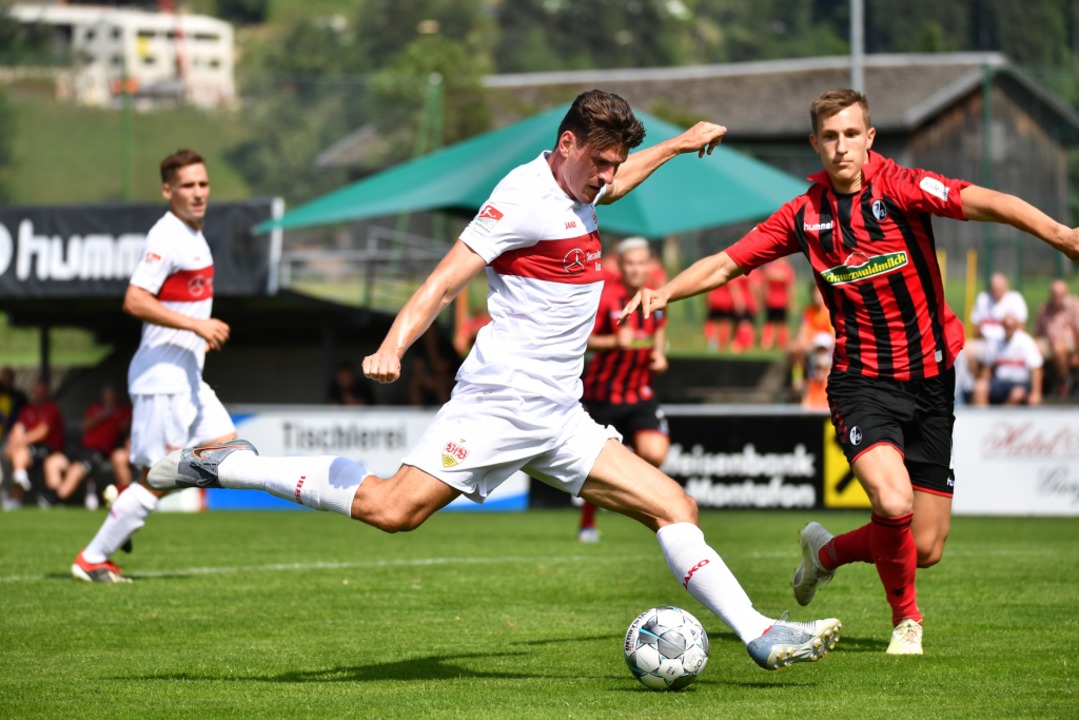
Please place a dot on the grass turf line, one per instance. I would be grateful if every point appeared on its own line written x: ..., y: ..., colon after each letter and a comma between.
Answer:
x: 506, y: 616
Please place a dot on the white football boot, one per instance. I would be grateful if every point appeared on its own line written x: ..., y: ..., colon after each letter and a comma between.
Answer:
x: 906, y: 638
x: 810, y: 576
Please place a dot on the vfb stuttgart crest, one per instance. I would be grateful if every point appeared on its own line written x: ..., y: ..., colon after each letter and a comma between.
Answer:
x: 453, y: 453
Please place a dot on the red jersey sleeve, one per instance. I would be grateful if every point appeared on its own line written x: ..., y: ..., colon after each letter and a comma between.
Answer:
x: 773, y: 238
x: 927, y: 192
x: 608, y: 311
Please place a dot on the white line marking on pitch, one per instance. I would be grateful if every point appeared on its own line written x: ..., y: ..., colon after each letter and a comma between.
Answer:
x: 430, y: 562
x: 370, y: 564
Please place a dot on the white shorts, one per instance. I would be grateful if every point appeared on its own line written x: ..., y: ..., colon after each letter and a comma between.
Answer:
x: 162, y: 423
x: 479, y: 438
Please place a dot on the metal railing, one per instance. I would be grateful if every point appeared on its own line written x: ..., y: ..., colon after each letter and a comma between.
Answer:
x: 380, y: 274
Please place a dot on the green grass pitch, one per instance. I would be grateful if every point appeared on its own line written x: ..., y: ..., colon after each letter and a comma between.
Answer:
x: 303, y: 615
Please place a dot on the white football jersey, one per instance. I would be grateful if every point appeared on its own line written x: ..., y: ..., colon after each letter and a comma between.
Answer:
x: 177, y: 268
x: 543, y: 252
x: 988, y: 314
x: 1013, y: 360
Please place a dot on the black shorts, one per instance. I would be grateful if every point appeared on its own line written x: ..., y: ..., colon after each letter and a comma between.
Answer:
x: 776, y: 315
x: 715, y: 314
x: 39, y: 451
x: 91, y: 459
x: 916, y: 417
x: 631, y: 418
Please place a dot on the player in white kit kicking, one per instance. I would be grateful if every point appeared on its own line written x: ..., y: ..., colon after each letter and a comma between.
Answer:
x: 171, y: 291
x: 516, y: 404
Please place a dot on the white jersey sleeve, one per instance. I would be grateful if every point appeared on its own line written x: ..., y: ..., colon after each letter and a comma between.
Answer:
x: 1013, y: 304
x: 504, y: 223
x: 157, y: 263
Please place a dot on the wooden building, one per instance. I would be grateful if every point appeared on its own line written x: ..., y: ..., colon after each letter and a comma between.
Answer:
x: 968, y: 115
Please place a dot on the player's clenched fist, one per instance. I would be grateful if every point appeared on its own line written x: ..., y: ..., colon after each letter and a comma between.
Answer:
x: 213, y: 331
x: 383, y: 367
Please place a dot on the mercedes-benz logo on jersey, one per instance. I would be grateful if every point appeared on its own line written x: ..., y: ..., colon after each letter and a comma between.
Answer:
x: 574, y: 261
x: 880, y: 210
x: 197, y: 285
x: 855, y: 436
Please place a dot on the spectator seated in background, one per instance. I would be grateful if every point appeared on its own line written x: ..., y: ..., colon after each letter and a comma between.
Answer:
x: 990, y: 307
x: 815, y: 322
x: 1057, y: 331
x: 778, y: 282
x: 1011, y: 372
x: 433, y: 369
x: 348, y: 388
x: 37, y: 436
x: 104, y: 438
x: 11, y: 401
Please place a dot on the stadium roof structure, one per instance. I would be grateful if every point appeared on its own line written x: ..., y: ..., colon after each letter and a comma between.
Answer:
x: 686, y: 194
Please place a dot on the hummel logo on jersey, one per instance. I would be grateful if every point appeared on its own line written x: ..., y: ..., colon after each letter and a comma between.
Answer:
x: 488, y: 217
x: 817, y: 227
x: 571, y: 224
x: 860, y: 266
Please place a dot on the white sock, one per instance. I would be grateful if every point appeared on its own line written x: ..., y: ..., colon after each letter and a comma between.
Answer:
x: 323, y: 482
x: 19, y: 476
x: 127, y: 515
x: 702, y: 571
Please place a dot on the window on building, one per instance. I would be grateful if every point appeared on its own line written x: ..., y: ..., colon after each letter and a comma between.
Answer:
x: 207, y: 37
x: 117, y: 33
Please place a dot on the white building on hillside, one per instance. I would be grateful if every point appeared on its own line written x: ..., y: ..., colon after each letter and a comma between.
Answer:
x: 165, y: 55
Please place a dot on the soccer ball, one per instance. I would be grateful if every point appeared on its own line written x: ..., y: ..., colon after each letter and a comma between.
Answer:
x: 666, y: 648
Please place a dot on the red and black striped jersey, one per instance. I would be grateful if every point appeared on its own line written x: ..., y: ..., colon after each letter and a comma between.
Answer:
x: 874, y: 258
x: 622, y: 376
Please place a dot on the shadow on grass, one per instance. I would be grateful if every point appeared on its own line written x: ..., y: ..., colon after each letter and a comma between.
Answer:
x: 434, y: 667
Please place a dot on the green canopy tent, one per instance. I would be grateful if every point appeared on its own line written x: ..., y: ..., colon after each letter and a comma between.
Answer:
x: 685, y: 194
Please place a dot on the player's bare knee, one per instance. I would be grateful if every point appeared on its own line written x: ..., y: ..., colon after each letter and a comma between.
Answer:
x: 683, y: 509
x: 928, y: 557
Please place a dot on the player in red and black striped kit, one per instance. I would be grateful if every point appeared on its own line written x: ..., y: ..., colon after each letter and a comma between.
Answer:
x: 618, y: 378
x: 865, y: 227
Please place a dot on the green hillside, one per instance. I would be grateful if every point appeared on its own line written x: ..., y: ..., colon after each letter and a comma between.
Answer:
x: 70, y: 154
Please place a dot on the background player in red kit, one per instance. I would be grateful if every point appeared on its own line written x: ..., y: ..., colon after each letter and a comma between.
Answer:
x: 618, y: 378
x: 864, y: 226
x: 778, y: 284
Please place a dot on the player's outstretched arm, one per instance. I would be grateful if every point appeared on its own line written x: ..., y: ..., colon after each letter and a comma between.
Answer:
x: 452, y: 274
x: 704, y: 275
x: 987, y: 205
x: 702, y: 139
x: 141, y: 304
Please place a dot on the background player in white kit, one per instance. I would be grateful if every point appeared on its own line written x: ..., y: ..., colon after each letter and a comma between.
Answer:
x: 517, y: 400
x: 172, y: 292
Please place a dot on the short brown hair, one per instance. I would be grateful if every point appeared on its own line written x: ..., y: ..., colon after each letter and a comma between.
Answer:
x: 179, y: 159
x: 830, y: 102
x: 603, y: 120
